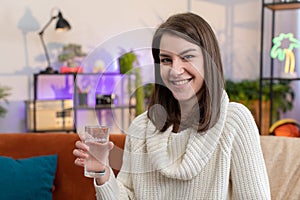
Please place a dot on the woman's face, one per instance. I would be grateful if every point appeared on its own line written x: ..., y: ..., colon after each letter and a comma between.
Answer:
x: 181, y: 66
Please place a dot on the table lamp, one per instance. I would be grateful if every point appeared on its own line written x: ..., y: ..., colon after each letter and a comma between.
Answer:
x: 61, y: 25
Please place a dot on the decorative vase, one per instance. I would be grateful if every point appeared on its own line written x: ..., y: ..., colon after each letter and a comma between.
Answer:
x: 82, y: 99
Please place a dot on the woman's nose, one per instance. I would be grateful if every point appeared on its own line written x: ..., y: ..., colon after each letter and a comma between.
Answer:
x: 178, y: 66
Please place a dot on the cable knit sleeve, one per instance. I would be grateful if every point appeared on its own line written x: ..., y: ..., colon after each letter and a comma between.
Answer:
x: 114, y: 189
x: 249, y: 178
x: 121, y: 188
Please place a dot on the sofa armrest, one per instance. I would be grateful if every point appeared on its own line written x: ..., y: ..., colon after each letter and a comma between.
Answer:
x: 282, y: 160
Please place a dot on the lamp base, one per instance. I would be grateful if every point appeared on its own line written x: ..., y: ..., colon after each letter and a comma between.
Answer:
x: 49, y: 70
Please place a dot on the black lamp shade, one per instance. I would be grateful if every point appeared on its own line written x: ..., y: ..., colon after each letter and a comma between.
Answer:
x: 62, y: 24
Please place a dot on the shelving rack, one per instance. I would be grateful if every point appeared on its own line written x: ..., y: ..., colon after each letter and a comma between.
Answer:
x: 76, y: 107
x: 274, y: 7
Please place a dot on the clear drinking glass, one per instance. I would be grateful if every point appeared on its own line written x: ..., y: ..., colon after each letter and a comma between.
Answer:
x: 95, y: 134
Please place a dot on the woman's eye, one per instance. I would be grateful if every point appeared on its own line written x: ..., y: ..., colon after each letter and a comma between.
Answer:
x: 187, y: 57
x: 165, y: 60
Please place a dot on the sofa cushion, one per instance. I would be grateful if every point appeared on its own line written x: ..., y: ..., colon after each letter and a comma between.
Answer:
x: 30, y: 178
x: 282, y: 160
x: 69, y: 181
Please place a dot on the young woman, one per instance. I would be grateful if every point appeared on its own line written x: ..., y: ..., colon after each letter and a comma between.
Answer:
x: 192, y: 143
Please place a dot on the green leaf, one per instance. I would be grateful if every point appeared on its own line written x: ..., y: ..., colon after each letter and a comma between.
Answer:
x: 4, y: 93
x: 247, y: 91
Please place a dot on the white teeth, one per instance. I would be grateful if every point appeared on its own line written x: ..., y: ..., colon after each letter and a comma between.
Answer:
x: 180, y: 82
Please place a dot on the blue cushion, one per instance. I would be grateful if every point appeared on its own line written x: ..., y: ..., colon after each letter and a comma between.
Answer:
x: 29, y: 178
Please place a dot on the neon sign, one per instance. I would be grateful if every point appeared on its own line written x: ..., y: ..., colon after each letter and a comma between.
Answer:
x: 279, y: 52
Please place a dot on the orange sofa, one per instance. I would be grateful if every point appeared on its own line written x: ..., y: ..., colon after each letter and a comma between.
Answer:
x: 69, y: 182
x: 281, y: 156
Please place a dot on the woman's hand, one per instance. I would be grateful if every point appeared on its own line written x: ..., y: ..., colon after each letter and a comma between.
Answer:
x: 81, y: 153
x: 95, y: 156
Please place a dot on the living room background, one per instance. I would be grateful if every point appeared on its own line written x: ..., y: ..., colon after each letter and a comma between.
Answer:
x: 236, y: 23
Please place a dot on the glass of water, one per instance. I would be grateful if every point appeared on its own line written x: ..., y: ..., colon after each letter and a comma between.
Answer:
x: 96, y: 134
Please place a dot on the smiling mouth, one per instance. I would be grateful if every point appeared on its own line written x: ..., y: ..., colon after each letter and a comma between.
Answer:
x: 181, y: 82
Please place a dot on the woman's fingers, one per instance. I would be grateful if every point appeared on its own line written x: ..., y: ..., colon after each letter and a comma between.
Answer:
x: 79, y: 153
x: 81, y: 145
x: 79, y: 162
x: 81, y: 156
x: 98, y: 151
x: 110, y: 145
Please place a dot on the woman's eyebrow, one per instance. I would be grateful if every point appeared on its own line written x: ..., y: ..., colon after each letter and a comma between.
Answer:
x: 181, y: 53
x: 164, y: 55
x: 186, y: 51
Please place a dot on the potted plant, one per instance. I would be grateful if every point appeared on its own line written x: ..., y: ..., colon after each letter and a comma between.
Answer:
x: 4, y: 93
x: 127, y: 64
x: 82, y: 91
x: 127, y: 61
x: 71, y: 54
x: 247, y: 92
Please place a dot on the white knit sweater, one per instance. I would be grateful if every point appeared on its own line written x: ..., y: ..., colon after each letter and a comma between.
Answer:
x: 225, y: 163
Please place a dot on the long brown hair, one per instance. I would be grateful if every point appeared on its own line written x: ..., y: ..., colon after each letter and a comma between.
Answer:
x: 194, y: 29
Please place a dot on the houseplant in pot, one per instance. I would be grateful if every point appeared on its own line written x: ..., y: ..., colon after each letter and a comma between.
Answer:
x: 128, y: 62
x: 247, y: 93
x: 71, y: 56
x: 4, y: 93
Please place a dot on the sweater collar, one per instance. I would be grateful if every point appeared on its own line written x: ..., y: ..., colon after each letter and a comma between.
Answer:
x: 183, y: 155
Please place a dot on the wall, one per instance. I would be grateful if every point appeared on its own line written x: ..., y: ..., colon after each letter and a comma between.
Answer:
x: 96, y: 23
